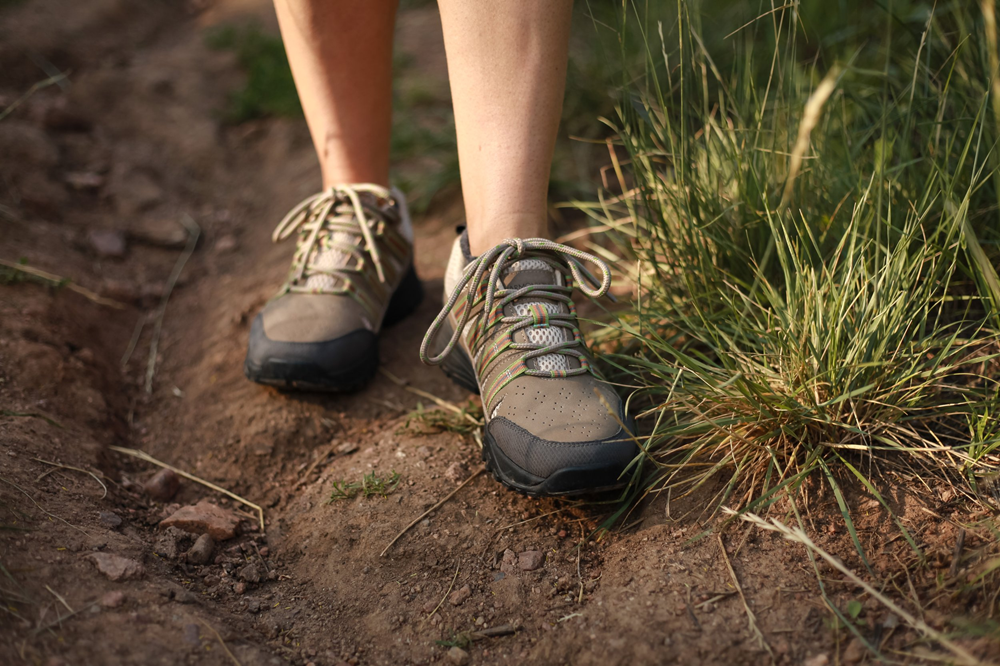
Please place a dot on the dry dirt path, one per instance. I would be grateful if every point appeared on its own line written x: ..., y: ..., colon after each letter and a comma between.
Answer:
x: 140, y: 121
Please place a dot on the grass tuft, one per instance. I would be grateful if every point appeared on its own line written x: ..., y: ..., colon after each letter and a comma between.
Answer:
x: 371, y: 485
x: 269, y: 89
x: 813, y: 247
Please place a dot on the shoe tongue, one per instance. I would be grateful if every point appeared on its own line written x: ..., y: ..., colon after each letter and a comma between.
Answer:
x: 529, y: 271
x: 327, y: 257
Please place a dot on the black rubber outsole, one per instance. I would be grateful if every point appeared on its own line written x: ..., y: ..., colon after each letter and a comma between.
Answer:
x: 318, y: 366
x: 567, y: 482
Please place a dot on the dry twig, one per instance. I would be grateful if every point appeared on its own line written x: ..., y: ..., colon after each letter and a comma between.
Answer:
x: 221, y: 642
x: 75, y: 469
x: 798, y: 535
x: 63, y: 282
x: 751, y: 618
x: 446, y: 593
x: 142, y: 455
x: 431, y: 510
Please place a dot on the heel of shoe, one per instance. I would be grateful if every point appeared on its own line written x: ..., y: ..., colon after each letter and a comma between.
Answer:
x: 405, y: 300
x: 457, y: 365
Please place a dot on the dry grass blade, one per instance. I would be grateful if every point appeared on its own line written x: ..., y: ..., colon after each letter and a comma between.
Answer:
x: 751, y: 618
x: 76, y: 469
x: 40, y: 508
x: 440, y: 402
x: 797, y: 535
x: 58, y: 78
x: 60, y: 598
x: 142, y: 455
x: 221, y: 642
x: 63, y: 282
x: 446, y: 592
x: 194, y: 232
x: 60, y: 620
x: 810, y: 117
x: 431, y: 510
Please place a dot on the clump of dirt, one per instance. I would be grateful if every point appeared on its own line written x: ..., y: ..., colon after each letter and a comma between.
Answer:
x: 104, y: 564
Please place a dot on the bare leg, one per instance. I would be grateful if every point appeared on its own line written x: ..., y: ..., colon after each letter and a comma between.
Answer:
x: 507, y: 64
x: 340, y: 52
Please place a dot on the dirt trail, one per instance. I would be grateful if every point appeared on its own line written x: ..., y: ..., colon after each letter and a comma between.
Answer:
x: 141, y: 122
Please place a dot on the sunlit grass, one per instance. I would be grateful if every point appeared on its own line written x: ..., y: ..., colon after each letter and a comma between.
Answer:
x: 813, y: 251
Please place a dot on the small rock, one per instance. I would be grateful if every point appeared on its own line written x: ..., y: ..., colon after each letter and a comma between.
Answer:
x: 458, y: 656
x: 110, y: 519
x: 530, y: 560
x: 107, y: 243
x: 240, y: 587
x: 347, y: 447
x: 84, y: 180
x: 854, y: 653
x: 456, y: 472
x: 226, y: 243
x: 508, y: 564
x: 429, y: 606
x: 204, y: 518
x: 163, y: 485
x: 817, y: 660
x: 253, y: 605
x: 113, y: 599
x: 250, y: 573
x: 201, y: 551
x: 159, y: 232
x: 117, y: 567
x: 499, y: 576
x: 459, y: 596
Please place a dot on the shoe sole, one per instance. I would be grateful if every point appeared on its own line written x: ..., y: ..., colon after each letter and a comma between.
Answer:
x: 288, y: 373
x: 566, y: 482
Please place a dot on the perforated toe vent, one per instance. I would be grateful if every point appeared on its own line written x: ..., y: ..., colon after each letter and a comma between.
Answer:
x: 560, y: 410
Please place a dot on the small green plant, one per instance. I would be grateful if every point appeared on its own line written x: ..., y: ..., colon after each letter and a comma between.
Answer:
x: 269, y: 89
x: 371, y: 485
x: 459, y: 639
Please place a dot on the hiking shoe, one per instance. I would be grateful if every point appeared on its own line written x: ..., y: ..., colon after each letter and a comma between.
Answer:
x: 509, y: 331
x: 351, y: 274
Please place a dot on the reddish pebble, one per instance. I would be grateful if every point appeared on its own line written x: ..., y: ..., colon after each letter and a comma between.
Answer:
x: 459, y: 596
x: 204, y: 518
x: 530, y: 560
x: 117, y: 567
x: 163, y: 485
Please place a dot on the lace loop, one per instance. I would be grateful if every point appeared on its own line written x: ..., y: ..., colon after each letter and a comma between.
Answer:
x: 317, y: 213
x: 477, y: 286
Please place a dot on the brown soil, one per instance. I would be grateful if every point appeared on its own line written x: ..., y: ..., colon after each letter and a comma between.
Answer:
x: 134, y: 142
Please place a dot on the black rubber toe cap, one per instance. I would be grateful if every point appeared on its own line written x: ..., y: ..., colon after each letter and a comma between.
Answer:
x: 346, y: 363
x: 542, y: 467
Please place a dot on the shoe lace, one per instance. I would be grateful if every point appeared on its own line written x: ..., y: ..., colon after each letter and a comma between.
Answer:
x: 481, y: 284
x: 323, y: 220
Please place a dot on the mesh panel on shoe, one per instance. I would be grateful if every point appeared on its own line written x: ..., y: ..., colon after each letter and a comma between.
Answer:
x: 329, y: 259
x: 546, y: 335
x: 528, y: 265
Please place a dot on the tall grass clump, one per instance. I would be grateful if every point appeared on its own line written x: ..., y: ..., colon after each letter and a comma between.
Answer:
x: 809, y: 214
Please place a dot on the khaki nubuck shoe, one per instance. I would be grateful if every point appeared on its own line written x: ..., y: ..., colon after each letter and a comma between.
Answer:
x: 352, y: 273
x: 509, y: 331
